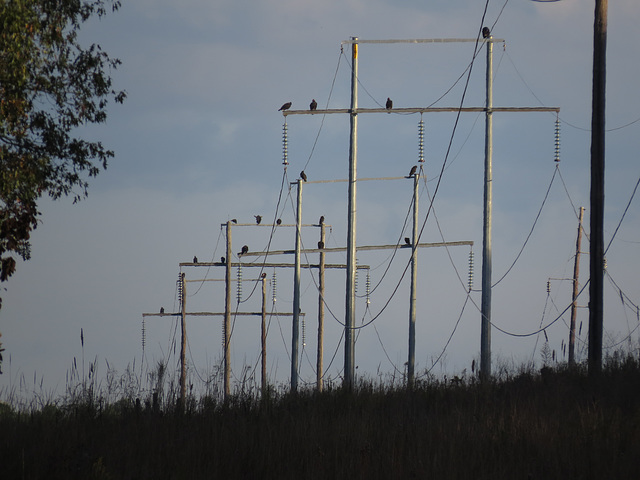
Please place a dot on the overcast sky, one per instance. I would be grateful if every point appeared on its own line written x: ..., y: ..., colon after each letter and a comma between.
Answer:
x: 199, y: 141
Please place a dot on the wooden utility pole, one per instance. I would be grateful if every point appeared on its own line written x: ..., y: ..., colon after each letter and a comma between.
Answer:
x: 596, y: 266
x: 227, y: 316
x: 576, y: 285
x: 320, y: 360
x: 414, y: 280
x: 183, y: 342
x: 263, y: 336
x: 350, y: 301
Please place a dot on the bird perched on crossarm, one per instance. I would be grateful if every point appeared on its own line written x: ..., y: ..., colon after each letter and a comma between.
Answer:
x: 320, y: 244
x: 195, y: 259
x: 279, y: 221
x: 313, y: 105
x: 245, y: 249
x: 258, y: 219
x: 286, y: 106
x: 412, y: 172
x: 222, y: 260
x: 321, y: 220
x: 407, y: 241
x: 389, y: 104
x: 303, y: 176
x: 486, y: 33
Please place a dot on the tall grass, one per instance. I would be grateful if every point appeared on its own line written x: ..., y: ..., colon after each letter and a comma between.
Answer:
x: 522, y: 424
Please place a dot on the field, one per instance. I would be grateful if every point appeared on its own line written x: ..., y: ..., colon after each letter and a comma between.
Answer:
x: 560, y: 423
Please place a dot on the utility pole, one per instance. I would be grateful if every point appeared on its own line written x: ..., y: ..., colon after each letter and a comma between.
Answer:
x: 295, y: 329
x: 574, y: 300
x: 349, y: 337
x: 414, y: 281
x: 183, y: 343
x: 227, y: 316
x: 488, y: 109
x: 485, y: 331
x: 263, y: 336
x: 596, y: 258
x: 321, y: 265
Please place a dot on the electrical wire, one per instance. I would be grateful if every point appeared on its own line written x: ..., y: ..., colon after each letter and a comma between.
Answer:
x: 623, y: 215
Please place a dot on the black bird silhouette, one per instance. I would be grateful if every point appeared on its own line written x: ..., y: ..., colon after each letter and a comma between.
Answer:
x: 161, y: 309
x: 303, y: 176
x: 313, y: 105
x: 389, y: 104
x: 279, y: 221
x: 286, y: 106
x: 486, y: 33
x: 258, y: 219
x: 264, y: 275
x: 234, y: 220
x: 412, y: 172
x: 320, y: 244
x: 245, y: 249
x: 321, y: 220
x: 222, y: 259
x: 195, y: 259
x: 407, y: 241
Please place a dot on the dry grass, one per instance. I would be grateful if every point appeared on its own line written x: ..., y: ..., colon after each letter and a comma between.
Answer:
x: 526, y: 425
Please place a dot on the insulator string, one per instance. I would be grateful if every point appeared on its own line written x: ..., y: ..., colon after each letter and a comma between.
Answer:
x: 421, y: 140
x: 557, y: 143
x: 285, y: 143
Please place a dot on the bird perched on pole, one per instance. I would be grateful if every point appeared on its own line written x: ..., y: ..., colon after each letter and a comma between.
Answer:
x: 486, y: 33
x: 303, y: 176
x: 412, y: 172
x: 258, y: 219
x: 234, y: 220
x: 321, y: 220
x: 286, y: 106
x: 313, y: 105
x: 389, y: 104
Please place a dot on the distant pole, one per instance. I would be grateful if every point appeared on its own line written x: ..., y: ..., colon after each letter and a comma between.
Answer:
x: 227, y: 314
x: 183, y: 344
x: 295, y: 330
x: 320, y: 362
x: 263, y: 336
x: 414, y: 281
x: 485, y: 334
x: 574, y: 302
x: 596, y: 257
x: 350, y: 314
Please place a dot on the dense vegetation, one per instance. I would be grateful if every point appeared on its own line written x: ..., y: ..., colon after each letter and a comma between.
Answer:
x: 558, y: 423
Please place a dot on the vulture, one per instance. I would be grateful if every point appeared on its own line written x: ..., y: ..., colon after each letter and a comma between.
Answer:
x: 320, y: 244
x: 286, y: 106
x: 313, y: 105
x: 303, y: 176
x: 407, y: 241
x: 389, y: 104
x: 412, y: 172
x: 486, y: 33
x: 195, y: 259
x: 161, y: 309
x: 279, y: 221
x: 222, y: 260
x: 258, y: 219
x: 321, y: 220
x: 245, y: 249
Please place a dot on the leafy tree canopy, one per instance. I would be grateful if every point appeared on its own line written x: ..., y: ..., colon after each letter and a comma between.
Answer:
x: 50, y: 86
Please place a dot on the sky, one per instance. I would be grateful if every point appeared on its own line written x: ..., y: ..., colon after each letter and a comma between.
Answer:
x: 199, y: 142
